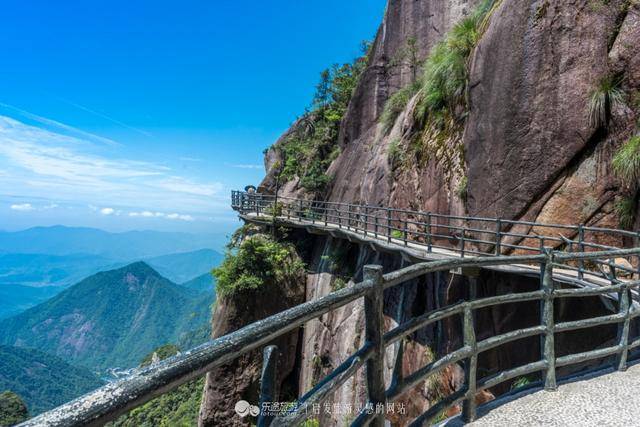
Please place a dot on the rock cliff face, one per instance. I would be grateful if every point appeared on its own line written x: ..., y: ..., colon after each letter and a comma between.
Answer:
x: 531, y: 152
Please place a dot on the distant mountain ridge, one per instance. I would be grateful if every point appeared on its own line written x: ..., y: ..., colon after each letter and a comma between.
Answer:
x: 29, y: 279
x: 125, y: 246
x: 42, y: 380
x: 110, y: 319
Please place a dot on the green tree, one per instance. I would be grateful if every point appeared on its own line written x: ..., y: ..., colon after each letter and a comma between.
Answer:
x: 13, y: 410
x: 308, y: 152
x: 255, y: 261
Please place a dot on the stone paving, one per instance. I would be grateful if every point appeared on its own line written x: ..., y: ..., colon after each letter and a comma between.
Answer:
x: 608, y: 400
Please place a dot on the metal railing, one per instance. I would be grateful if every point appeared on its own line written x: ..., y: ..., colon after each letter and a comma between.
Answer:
x: 112, y: 400
x: 462, y: 235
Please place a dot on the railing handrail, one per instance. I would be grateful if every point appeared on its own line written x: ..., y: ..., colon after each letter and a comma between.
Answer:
x: 438, y: 215
x: 469, y: 240
x: 112, y: 400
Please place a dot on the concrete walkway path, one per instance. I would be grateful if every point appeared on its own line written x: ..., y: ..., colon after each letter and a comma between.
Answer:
x: 608, y: 400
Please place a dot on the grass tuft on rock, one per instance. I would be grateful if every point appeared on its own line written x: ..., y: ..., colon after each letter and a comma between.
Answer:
x: 441, y: 92
x: 397, y: 103
x: 625, y: 210
x: 446, y: 72
x: 603, y: 98
x: 626, y: 162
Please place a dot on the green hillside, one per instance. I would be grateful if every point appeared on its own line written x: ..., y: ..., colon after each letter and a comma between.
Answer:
x: 111, y: 319
x: 15, y: 299
x: 41, y: 380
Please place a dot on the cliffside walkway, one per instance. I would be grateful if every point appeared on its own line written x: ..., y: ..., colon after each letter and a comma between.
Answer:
x: 437, y: 244
x: 588, y: 401
x: 424, y: 236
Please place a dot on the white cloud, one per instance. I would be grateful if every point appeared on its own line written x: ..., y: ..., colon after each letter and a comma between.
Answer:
x: 107, y: 211
x: 22, y: 207
x: 39, y: 163
x: 172, y: 216
x: 180, y: 217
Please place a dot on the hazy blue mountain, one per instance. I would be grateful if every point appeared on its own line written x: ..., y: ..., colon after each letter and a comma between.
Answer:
x: 182, y: 267
x: 15, y: 299
x: 205, y: 283
x: 43, y: 381
x: 111, y: 319
x: 31, y: 269
x: 59, y: 240
x: 29, y: 279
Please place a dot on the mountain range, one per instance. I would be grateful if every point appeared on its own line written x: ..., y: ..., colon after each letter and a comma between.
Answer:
x: 29, y: 279
x: 126, y: 246
x: 111, y: 319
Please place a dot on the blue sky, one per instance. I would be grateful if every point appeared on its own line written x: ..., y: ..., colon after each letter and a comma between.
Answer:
x: 144, y: 115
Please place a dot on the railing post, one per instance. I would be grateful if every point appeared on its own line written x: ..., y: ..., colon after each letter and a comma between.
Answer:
x: 636, y: 243
x: 388, y: 225
x: 469, y: 405
x: 498, y: 236
x: 375, y: 229
x: 406, y: 233
x: 429, y: 234
x: 547, y: 312
x: 462, y: 243
x: 581, y: 248
x: 623, y: 329
x: 374, y: 331
x: 326, y: 214
x: 339, y: 215
x: 300, y: 210
x: 364, y: 223
x: 268, y: 386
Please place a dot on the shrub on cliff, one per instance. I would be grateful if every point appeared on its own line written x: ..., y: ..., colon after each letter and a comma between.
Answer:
x: 255, y: 261
x: 13, y: 410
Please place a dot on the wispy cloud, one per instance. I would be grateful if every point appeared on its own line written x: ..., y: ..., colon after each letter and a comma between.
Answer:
x: 246, y: 166
x: 22, y: 207
x: 44, y: 165
x: 104, y: 116
x: 58, y: 125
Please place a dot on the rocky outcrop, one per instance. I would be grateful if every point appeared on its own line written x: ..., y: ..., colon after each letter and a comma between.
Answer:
x: 531, y: 79
x: 239, y: 380
x: 530, y: 153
